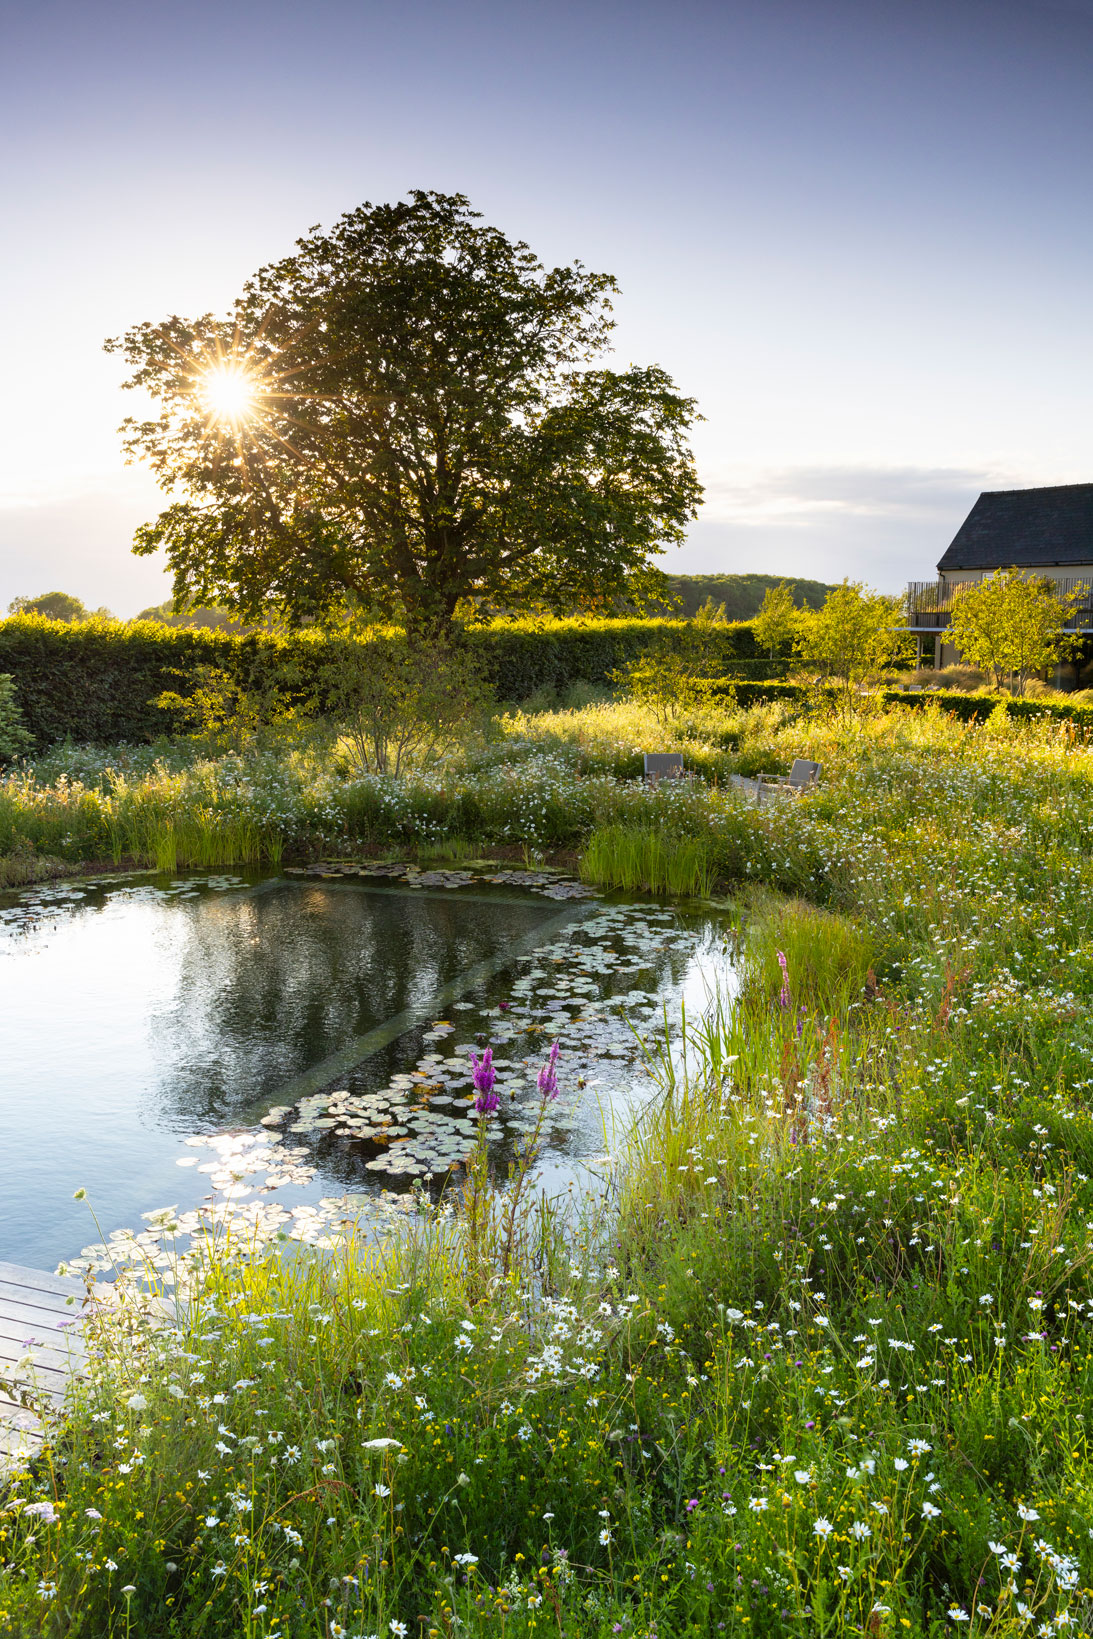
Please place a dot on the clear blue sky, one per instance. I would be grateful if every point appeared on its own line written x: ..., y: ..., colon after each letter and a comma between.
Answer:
x: 860, y: 234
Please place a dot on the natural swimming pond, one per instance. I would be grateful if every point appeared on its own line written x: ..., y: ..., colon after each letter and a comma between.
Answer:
x: 309, y: 1033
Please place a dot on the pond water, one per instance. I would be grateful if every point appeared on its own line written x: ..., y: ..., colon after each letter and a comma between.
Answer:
x: 308, y: 1034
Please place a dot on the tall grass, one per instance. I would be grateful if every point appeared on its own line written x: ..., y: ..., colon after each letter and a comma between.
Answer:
x: 205, y: 842
x: 642, y: 860
x: 828, y: 956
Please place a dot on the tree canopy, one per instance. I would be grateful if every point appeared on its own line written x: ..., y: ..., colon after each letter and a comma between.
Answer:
x: 775, y: 626
x: 1013, y: 624
x: 856, y: 635
x: 742, y: 595
x: 403, y: 414
x: 57, y: 606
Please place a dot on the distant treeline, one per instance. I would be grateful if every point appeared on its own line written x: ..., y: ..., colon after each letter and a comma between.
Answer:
x: 741, y: 594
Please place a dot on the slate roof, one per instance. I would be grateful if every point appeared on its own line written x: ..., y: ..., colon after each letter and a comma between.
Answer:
x: 1029, y: 528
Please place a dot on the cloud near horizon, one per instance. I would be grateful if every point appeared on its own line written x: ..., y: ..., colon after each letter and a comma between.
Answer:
x: 883, y: 525
x: 805, y: 494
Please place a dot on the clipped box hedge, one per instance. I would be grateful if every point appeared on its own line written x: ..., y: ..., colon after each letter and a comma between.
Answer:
x: 96, y: 681
x: 976, y: 708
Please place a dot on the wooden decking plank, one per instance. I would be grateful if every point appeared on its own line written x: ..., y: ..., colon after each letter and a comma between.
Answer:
x: 33, y: 1303
x: 49, y: 1386
x: 52, y: 1322
x: 38, y: 1358
x: 46, y: 1373
x: 41, y: 1314
x: 18, y: 1440
x: 41, y: 1280
x: 39, y: 1298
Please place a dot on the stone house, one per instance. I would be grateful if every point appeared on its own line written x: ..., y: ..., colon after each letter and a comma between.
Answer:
x: 1047, y: 532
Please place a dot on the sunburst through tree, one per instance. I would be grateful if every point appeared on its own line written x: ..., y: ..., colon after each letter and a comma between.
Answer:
x: 404, y: 414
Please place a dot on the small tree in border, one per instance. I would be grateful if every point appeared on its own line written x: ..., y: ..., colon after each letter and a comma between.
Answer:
x: 854, y: 637
x: 226, y: 714
x: 775, y: 626
x: 678, y: 673
x: 397, y: 694
x: 1013, y: 625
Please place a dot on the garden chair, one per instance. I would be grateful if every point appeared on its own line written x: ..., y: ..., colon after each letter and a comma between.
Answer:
x: 803, y: 776
x: 664, y: 765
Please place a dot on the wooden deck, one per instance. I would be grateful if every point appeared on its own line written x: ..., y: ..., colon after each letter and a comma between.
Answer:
x: 40, y: 1346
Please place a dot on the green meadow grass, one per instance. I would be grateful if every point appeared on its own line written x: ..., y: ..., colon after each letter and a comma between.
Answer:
x: 820, y: 1364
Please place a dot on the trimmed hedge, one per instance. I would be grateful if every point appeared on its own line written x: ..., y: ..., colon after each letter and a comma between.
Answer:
x: 969, y: 708
x: 96, y: 681
x: 521, y: 657
x: 754, y: 694
x: 976, y: 708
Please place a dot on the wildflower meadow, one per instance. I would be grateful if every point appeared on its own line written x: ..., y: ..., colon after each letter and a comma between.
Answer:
x: 818, y: 1358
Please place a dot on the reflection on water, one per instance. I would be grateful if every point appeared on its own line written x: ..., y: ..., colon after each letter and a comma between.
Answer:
x: 131, y: 1017
x: 137, y: 1018
x: 274, y: 981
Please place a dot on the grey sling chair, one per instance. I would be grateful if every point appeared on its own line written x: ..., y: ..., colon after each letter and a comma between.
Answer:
x: 803, y: 776
x: 664, y: 765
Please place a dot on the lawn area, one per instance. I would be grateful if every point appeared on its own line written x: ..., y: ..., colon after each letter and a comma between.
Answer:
x: 821, y: 1361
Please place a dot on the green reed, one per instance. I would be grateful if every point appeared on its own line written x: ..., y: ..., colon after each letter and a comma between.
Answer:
x: 644, y: 860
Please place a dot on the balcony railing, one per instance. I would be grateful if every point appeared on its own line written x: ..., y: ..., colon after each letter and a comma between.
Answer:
x: 930, y: 603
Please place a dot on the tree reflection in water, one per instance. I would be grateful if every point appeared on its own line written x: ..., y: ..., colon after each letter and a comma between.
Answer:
x: 273, y: 982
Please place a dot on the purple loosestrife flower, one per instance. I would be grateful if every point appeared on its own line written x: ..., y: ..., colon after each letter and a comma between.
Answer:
x: 783, y: 995
x: 548, y: 1077
x: 484, y: 1075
